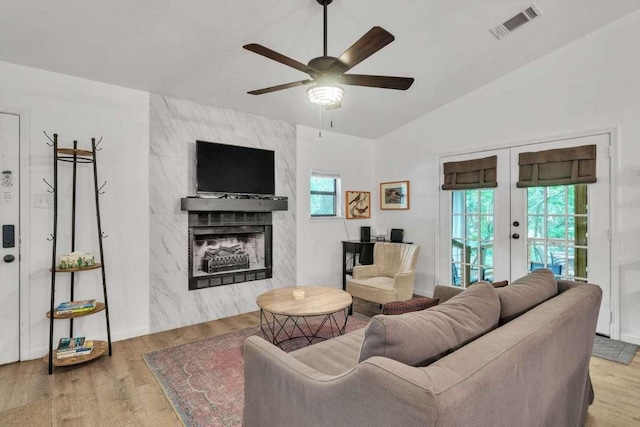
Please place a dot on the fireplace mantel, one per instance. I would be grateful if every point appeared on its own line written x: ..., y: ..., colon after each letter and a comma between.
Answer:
x: 202, y: 204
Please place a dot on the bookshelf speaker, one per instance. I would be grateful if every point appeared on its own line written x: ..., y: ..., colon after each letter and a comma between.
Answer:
x: 397, y: 235
x: 365, y: 234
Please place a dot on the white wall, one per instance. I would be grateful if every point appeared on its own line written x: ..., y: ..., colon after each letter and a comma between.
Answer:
x: 589, y: 84
x: 319, y: 248
x: 80, y: 109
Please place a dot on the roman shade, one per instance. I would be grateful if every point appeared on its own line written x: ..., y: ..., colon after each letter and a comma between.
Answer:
x: 564, y: 166
x: 470, y: 174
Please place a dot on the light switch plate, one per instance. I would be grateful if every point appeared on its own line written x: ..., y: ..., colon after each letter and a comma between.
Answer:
x: 43, y: 201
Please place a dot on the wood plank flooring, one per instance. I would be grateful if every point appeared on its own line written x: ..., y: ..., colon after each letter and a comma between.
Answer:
x: 121, y: 391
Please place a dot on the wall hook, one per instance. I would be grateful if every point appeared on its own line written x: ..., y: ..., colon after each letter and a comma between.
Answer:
x: 50, y: 238
x: 98, y: 143
x: 101, y: 187
x: 45, y: 134
x: 104, y: 235
x: 53, y: 190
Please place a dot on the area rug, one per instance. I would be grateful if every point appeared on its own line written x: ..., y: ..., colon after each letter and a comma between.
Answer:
x: 613, y: 350
x: 204, y: 380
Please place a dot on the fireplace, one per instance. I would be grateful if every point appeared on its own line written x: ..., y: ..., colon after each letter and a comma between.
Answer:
x: 229, y: 247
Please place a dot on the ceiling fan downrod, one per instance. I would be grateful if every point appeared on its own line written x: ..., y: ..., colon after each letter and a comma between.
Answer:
x: 324, y: 4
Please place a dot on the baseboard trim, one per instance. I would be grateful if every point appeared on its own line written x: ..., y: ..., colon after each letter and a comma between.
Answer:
x: 632, y: 339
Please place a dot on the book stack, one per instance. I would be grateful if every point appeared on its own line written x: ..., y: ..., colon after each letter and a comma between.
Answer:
x: 73, y: 347
x: 73, y: 307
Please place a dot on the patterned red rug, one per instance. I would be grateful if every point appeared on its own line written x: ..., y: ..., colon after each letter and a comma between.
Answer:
x: 204, y: 380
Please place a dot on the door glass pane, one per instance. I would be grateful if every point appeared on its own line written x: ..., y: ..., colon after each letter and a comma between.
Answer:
x: 457, y: 226
x: 556, y: 200
x: 556, y: 227
x: 535, y: 197
x: 580, y: 231
x: 473, y: 225
x: 472, y: 201
x: 457, y: 251
x: 557, y: 230
x: 486, y: 227
x: 457, y: 203
x: 535, y: 227
x: 472, y: 236
x: 486, y: 201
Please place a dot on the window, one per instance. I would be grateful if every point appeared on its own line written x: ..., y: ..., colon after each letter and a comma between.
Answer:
x: 324, y: 191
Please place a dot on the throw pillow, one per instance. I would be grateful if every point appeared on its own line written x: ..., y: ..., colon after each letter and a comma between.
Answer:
x: 420, y: 338
x: 500, y: 284
x: 525, y: 293
x: 414, y: 304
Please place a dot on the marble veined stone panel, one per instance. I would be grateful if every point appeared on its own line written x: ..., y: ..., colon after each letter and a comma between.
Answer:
x: 175, y: 125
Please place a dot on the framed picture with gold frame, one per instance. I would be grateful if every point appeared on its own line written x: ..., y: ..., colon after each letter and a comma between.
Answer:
x: 358, y: 204
x: 394, y: 195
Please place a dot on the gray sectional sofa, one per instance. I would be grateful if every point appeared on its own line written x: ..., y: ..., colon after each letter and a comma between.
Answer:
x: 513, y: 356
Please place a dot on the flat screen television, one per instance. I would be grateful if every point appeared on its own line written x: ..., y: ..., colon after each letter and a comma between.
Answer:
x: 223, y: 168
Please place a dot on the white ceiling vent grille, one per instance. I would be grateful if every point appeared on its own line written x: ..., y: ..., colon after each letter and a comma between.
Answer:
x: 516, y: 21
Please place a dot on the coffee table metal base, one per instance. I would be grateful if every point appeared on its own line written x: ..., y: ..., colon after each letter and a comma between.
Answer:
x: 298, y: 327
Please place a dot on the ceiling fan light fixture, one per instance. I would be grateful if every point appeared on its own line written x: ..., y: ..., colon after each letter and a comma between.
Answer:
x: 325, y: 94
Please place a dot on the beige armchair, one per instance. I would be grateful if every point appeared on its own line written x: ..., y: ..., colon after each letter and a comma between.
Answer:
x: 390, y: 278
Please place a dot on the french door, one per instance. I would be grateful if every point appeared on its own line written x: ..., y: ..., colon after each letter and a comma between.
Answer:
x: 503, y: 233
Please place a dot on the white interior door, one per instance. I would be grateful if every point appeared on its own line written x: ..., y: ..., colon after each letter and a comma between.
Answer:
x: 503, y: 233
x: 565, y: 228
x: 9, y: 252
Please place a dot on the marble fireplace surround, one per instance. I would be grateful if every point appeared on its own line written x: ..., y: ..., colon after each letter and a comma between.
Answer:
x: 175, y: 125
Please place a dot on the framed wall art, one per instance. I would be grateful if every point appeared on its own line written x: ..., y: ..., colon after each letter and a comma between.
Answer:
x: 358, y: 204
x: 394, y: 195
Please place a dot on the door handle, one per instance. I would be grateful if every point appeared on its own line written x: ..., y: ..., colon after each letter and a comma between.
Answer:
x: 515, y: 235
x: 9, y: 258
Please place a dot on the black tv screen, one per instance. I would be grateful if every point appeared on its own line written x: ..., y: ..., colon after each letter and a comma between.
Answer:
x: 223, y: 168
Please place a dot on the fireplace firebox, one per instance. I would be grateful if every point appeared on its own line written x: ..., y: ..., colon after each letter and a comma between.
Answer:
x: 229, y: 247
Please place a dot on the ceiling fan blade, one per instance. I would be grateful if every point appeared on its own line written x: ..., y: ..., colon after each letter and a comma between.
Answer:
x: 278, y: 57
x: 385, y: 82
x: 370, y: 43
x: 280, y: 87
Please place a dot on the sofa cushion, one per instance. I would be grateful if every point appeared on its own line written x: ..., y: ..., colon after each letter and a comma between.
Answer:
x: 414, y: 304
x: 334, y: 356
x: 420, y: 338
x: 525, y: 293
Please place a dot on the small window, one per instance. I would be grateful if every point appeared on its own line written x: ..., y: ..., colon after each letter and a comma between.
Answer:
x: 324, y: 190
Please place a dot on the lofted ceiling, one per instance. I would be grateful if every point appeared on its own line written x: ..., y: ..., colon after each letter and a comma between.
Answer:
x: 193, y: 49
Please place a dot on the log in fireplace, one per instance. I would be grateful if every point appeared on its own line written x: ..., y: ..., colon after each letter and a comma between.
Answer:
x: 229, y: 247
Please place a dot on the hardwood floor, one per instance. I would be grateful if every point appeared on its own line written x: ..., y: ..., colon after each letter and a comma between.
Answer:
x: 121, y: 391
x: 110, y: 391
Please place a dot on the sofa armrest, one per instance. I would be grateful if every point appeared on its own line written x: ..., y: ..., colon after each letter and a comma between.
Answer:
x: 404, y: 284
x: 565, y: 285
x: 444, y: 293
x: 365, y: 271
x: 379, y: 392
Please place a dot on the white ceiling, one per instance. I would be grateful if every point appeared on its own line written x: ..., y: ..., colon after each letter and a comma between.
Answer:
x: 193, y: 48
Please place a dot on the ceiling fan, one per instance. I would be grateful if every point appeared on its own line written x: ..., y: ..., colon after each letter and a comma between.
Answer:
x: 327, y: 72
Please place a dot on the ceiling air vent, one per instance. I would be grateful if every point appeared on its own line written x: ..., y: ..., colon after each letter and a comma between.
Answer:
x: 516, y: 22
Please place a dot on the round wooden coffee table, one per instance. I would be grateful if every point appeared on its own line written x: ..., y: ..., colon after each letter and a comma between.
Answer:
x: 283, y: 318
